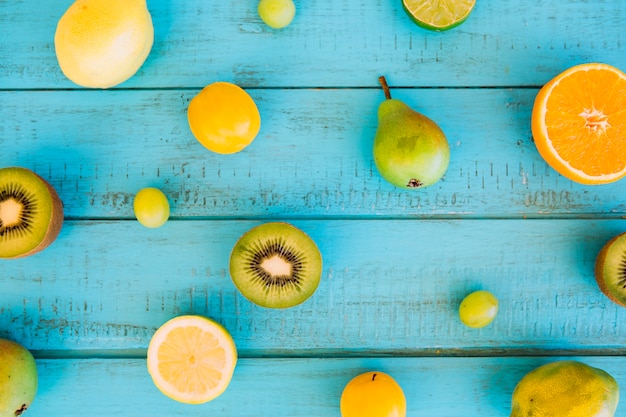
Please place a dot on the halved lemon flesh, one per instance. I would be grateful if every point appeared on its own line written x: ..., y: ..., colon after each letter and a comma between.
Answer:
x: 191, y: 359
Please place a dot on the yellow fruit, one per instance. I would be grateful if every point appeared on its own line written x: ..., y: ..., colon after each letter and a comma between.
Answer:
x: 151, y: 207
x: 373, y: 394
x: 102, y: 43
x: 277, y: 14
x: 478, y: 309
x: 191, y: 359
x: 565, y: 389
x: 224, y: 118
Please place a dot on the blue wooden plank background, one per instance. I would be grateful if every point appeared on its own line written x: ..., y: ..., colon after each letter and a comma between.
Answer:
x: 396, y: 263
x: 444, y: 387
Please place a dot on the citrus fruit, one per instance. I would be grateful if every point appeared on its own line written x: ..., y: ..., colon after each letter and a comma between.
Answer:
x: 277, y: 13
x: 102, y: 43
x: 579, y: 123
x: 224, y: 118
x: 565, y: 388
x: 373, y: 394
x: 191, y: 359
x: 438, y: 14
x: 478, y: 309
x: 151, y: 207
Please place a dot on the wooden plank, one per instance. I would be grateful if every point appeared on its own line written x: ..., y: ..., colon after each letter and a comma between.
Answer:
x: 388, y: 288
x: 396, y: 263
x: 443, y: 387
x: 312, y: 157
x: 338, y: 44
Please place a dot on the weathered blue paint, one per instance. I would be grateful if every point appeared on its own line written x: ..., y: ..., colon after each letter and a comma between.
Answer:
x: 396, y: 263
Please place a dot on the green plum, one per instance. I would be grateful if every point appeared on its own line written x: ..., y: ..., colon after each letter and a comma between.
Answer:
x: 478, y: 309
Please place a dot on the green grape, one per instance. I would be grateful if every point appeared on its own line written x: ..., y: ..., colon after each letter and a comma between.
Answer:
x: 151, y: 207
x: 277, y: 13
x: 478, y: 309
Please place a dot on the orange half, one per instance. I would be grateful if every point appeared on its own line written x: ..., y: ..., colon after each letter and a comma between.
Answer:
x: 579, y: 123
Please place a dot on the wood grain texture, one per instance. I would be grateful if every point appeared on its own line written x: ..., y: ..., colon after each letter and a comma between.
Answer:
x: 396, y: 263
x: 388, y: 288
x: 312, y: 158
x: 444, y: 387
x: 333, y: 44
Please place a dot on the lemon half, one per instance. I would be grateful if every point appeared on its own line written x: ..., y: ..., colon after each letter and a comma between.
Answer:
x: 191, y: 359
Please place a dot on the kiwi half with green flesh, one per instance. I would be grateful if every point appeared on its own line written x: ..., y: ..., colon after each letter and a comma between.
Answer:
x: 276, y: 265
x: 610, y: 269
x: 31, y: 213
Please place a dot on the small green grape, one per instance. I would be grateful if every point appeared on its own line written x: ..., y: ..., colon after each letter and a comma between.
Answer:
x: 277, y: 13
x: 478, y: 309
x: 151, y: 207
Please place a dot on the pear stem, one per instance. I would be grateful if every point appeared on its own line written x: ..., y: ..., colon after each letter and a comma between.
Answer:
x: 383, y: 83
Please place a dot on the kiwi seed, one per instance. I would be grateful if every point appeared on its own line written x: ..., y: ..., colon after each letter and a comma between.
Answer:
x: 276, y: 265
x: 610, y: 269
x: 31, y: 213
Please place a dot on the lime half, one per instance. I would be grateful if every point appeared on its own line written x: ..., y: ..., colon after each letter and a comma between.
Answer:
x: 438, y: 14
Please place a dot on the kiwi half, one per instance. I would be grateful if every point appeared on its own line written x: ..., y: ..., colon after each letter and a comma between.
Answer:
x: 31, y: 213
x: 610, y: 269
x: 276, y: 265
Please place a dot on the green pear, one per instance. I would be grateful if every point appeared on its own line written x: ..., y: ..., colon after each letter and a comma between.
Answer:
x: 410, y: 150
x: 18, y: 378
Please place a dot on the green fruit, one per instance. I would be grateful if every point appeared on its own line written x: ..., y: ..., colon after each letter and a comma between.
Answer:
x: 151, y: 207
x: 276, y: 265
x: 31, y: 213
x: 438, y: 15
x: 610, y: 269
x: 410, y: 150
x: 478, y: 309
x: 18, y: 378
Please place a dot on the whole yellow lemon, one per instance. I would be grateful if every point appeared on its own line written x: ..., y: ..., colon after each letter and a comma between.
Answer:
x: 224, y: 118
x: 373, y: 394
x: 102, y: 43
x: 565, y: 389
